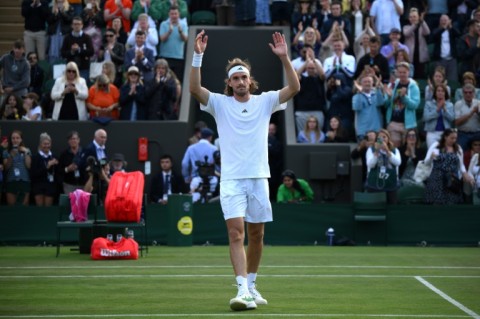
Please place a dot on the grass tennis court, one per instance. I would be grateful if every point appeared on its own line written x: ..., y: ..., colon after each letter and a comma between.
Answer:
x: 197, y: 282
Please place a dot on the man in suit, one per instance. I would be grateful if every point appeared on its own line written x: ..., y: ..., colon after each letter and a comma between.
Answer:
x: 141, y: 57
x: 166, y: 182
x: 95, y: 149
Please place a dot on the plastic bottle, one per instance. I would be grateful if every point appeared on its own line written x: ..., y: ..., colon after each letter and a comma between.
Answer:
x: 330, y: 236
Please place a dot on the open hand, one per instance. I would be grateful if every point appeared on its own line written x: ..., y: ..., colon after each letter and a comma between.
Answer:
x: 200, y: 42
x: 279, y: 46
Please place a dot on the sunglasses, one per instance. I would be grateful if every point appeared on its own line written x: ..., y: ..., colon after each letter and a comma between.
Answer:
x: 109, y: 35
x: 71, y: 71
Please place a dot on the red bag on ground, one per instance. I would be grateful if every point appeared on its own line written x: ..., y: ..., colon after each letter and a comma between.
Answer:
x: 123, y: 202
x: 102, y: 248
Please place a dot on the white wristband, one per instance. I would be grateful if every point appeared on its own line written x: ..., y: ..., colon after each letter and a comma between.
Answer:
x: 197, y: 60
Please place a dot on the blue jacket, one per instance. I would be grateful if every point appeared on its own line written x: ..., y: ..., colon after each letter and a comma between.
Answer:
x: 368, y: 113
x: 430, y: 115
x: 411, y: 102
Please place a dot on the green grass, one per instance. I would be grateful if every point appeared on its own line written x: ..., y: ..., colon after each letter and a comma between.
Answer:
x: 197, y: 282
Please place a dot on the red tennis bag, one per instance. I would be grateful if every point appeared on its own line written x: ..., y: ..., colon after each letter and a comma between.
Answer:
x: 102, y: 248
x: 123, y: 202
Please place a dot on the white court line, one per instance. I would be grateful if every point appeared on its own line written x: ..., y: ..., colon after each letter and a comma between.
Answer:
x: 250, y: 315
x: 448, y: 298
x: 229, y: 267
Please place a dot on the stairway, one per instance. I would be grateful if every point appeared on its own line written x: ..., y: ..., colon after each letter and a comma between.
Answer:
x: 11, y: 24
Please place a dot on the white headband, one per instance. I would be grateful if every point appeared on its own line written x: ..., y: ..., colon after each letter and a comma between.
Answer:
x: 238, y: 68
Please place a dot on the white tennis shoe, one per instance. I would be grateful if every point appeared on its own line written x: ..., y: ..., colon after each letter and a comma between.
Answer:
x: 242, y: 302
x: 259, y: 300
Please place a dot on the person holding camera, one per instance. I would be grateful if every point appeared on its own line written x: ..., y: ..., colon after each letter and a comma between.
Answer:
x: 198, y: 153
x: 98, y: 177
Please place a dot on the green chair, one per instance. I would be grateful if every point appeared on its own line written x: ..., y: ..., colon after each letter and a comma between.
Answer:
x: 203, y: 17
x: 411, y: 194
x: 370, y: 216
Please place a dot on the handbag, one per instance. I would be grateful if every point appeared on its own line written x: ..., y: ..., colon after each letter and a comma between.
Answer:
x: 453, y: 183
x: 422, y: 171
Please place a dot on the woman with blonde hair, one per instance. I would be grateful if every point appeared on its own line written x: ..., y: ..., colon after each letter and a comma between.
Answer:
x: 103, y: 98
x: 109, y: 69
x: 311, y: 134
x: 161, y: 93
x: 59, y: 22
x: 69, y: 94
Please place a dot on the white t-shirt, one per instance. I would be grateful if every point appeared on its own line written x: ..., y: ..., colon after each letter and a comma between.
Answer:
x: 243, y: 132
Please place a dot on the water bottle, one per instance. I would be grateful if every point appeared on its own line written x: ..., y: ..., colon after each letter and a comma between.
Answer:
x: 330, y: 233
x: 130, y: 234
x: 110, y: 237
x: 119, y: 237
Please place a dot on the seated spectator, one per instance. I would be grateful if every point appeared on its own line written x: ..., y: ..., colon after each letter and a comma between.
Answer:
x: 388, y: 50
x: 166, y: 182
x: 294, y: 190
x: 474, y: 148
x: 118, y: 163
x: 312, y: 133
x: 70, y: 174
x: 471, y: 159
x: 120, y: 33
x: 31, y: 107
x: 335, y: 132
x: 69, y: 93
x: 15, y: 70
x: 467, y: 119
x: 92, y: 16
x: 12, y: 108
x: 402, y: 56
x: 161, y: 93
x: 467, y: 78
x: 360, y: 152
x: 438, y: 115
x: 411, y: 152
x: 44, y: 173
x: 37, y: 75
x: 17, y: 160
x: 59, y: 21
x: 118, y: 8
x: 132, y: 97
x: 103, y: 98
x: 113, y: 52
x: 416, y: 35
x: 446, y: 157
x: 438, y: 78
x: 150, y: 31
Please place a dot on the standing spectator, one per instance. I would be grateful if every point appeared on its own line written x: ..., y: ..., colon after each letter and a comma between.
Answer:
x: 31, y: 107
x: 402, y: 103
x: 323, y: 13
x: 197, y: 132
x: 120, y: 33
x: 389, y: 49
x: 37, y: 75
x: 103, y: 98
x: 307, y: 37
x: 355, y: 13
x: 360, y: 152
x: 15, y: 70
x: 438, y: 77
x: 311, y: 133
x: 113, y: 51
x: 35, y: 13
x: 446, y: 157
x: 44, y: 172
x: 149, y: 7
x: 77, y: 47
x: 173, y: 35
x: 339, y: 94
x: 11, y: 108
x: 467, y: 119
x: 150, y: 31
x: 141, y: 57
x: 70, y: 174
x: 438, y: 115
x: 293, y: 189
x: 166, y: 182
x: 361, y: 43
x: 69, y: 93
x: 304, y: 16
x: 77, y: 6
x: 374, y: 60
x: 416, y: 35
x: 59, y: 24
x: 469, y: 48
x: 199, y: 152
x: 225, y: 11
x: 411, y: 152
x: 402, y: 56
x: 96, y: 149
x: 336, y: 18
x: 93, y: 21
x: 118, y: 8
x: 161, y: 93
x: 132, y: 97
x: 435, y: 8
x: 445, y: 52
x: 340, y: 62
x: 16, y: 165
x: 275, y: 160
x: 467, y: 78
x: 182, y: 5
x: 385, y: 15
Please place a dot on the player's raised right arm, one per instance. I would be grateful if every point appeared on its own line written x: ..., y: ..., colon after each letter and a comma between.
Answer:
x: 200, y: 93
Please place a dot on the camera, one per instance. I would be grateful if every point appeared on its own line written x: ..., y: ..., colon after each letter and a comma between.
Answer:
x: 380, y: 140
x: 94, y: 165
x: 205, y: 169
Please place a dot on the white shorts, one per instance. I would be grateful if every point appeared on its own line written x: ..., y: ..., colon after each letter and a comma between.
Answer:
x: 247, y: 198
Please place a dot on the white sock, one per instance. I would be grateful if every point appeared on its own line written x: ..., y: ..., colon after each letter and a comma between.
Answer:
x: 251, y: 278
x: 242, y: 284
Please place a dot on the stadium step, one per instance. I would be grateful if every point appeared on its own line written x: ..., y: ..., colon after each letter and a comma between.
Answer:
x: 11, y: 24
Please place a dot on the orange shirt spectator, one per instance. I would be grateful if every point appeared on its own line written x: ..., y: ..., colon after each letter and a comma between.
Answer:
x: 103, y: 99
x: 118, y: 8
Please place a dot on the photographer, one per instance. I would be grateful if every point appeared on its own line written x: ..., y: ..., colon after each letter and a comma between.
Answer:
x: 204, y: 186
x: 197, y: 153
x: 98, y: 177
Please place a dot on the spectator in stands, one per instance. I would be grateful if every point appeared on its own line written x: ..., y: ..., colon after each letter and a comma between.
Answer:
x: 151, y: 34
x: 435, y: 8
x: 197, y: 133
x: 438, y: 115
x: 467, y: 119
x: 118, y: 8
x: 15, y: 70
x: 113, y: 51
x: 294, y: 190
x: 141, y: 57
x: 411, y: 152
x: 120, y: 35
x: 416, y: 35
x: 37, y: 74
x: 98, y: 181
x: 385, y: 16
x: 161, y: 93
x: 200, y: 152
x: 93, y: 21
x: 35, y: 13
x: 165, y: 5
x: 149, y: 7
x: 311, y: 98
x: 328, y: 48
x: 393, y: 46
x: 77, y: 6
x: 402, y: 103
x: 308, y: 37
x: 166, y: 182
x: 31, y: 107
x: 367, y: 103
x: 438, y: 77
x: 70, y: 174
x: 311, y: 133
x: 402, y: 56
x: 355, y: 13
x: 467, y: 78
x: 59, y: 24
x: 173, y: 35
x: 445, y: 50
x: 323, y: 13
x: 360, y: 152
x: 383, y: 160
x: 374, y: 60
x: 446, y: 157
x: 118, y: 163
x: 470, y: 158
x: 103, y: 99
x: 12, y: 108
x: 304, y: 15
x: 340, y: 62
x: 336, y: 18
x: 225, y: 11
x: 262, y: 12
x: 335, y: 131
x: 469, y: 48
x: 16, y: 166
x: 44, y: 172
x: 78, y: 47
x: 132, y: 97
x: 69, y: 93
x: 275, y: 160
x: 339, y: 93
x: 96, y: 149
x: 245, y: 11
x: 361, y: 43
x: 109, y: 69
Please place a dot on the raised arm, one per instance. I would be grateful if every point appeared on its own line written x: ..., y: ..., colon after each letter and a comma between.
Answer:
x: 200, y: 93
x: 280, y: 49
